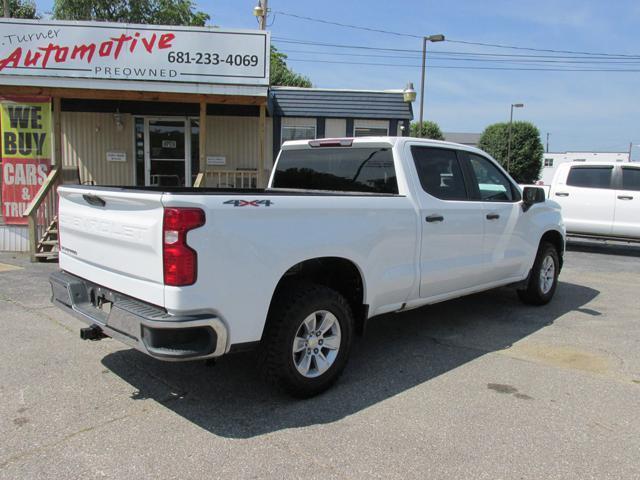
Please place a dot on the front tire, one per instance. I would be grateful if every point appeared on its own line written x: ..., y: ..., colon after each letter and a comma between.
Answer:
x: 544, y: 276
x: 307, y: 340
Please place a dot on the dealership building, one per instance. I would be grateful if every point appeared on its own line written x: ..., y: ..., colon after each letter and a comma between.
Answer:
x: 154, y: 106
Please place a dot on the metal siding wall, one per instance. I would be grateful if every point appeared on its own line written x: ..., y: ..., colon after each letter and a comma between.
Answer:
x: 237, y: 139
x: 86, y: 139
x: 14, y: 238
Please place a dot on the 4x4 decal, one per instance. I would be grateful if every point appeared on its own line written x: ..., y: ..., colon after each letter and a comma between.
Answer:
x: 249, y: 203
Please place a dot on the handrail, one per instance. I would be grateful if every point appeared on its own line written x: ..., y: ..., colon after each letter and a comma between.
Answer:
x: 42, y: 212
x: 42, y: 193
x: 245, y: 178
x: 199, y: 180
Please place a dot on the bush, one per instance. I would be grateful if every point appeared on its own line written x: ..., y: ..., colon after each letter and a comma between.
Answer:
x: 429, y: 130
x: 526, y: 149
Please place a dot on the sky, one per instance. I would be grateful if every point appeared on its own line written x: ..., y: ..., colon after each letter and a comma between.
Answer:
x: 597, y: 111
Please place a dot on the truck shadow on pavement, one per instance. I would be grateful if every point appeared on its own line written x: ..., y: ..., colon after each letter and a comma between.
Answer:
x: 397, y: 353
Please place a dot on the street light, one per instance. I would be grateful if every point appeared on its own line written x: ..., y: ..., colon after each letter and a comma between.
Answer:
x: 409, y: 94
x: 431, y: 38
x: 513, y: 105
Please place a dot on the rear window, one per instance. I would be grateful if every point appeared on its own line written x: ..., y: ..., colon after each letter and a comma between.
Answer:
x: 590, y: 177
x: 351, y: 169
x: 631, y: 178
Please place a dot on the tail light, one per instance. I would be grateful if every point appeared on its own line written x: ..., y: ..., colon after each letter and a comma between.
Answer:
x: 180, y: 261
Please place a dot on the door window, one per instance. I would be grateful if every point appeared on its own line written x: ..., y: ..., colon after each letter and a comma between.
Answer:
x: 631, y: 178
x: 439, y: 172
x: 590, y: 177
x: 493, y: 185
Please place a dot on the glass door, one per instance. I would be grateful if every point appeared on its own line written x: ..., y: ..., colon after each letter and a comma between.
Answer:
x: 167, y: 152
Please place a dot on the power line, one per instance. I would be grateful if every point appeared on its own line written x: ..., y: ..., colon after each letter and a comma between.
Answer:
x: 517, y: 60
x: 346, y: 25
x: 467, y: 67
x: 439, y: 52
x: 465, y: 42
x: 496, y: 45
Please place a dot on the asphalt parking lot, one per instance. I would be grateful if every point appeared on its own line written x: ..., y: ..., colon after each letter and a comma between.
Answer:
x: 481, y: 387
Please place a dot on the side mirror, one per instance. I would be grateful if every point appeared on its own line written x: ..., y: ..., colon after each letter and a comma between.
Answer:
x: 531, y: 196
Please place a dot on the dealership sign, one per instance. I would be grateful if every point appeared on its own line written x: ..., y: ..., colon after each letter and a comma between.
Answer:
x: 25, y: 142
x: 52, y: 51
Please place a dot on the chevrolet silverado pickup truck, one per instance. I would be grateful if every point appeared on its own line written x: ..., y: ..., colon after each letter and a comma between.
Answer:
x: 346, y: 230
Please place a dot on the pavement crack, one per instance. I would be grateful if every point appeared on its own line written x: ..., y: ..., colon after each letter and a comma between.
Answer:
x: 64, y: 439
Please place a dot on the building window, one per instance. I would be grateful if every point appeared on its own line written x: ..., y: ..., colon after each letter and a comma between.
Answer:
x: 371, y: 128
x: 548, y: 162
x: 298, y: 132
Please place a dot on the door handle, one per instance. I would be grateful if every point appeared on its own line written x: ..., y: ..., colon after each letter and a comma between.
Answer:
x: 434, y: 218
x: 492, y: 216
x: 562, y: 194
x: 625, y: 197
x: 94, y: 200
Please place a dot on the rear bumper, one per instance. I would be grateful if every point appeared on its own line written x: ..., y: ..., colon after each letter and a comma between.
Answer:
x: 140, y: 325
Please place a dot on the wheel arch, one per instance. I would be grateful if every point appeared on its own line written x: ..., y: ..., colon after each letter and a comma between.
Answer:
x: 337, y: 273
x: 557, y: 240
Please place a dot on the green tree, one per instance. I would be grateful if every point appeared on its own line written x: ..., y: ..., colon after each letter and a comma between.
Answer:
x: 154, y: 12
x: 23, y: 9
x: 526, y: 149
x: 281, y: 74
x: 429, y: 130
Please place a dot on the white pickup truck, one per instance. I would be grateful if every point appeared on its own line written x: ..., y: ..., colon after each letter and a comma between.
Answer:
x: 599, y: 199
x: 346, y: 230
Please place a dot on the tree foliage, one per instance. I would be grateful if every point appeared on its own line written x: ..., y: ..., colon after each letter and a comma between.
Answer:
x: 429, y: 130
x: 526, y: 149
x: 154, y: 12
x: 281, y: 74
x: 23, y: 9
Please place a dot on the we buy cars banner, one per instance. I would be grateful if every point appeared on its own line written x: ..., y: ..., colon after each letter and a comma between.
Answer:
x: 25, y: 142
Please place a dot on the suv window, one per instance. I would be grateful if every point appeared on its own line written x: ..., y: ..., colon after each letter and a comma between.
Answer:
x: 439, y: 172
x: 631, y: 178
x: 590, y: 177
x: 493, y: 185
x: 353, y: 169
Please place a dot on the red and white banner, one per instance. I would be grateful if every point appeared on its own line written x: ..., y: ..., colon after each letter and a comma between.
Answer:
x: 25, y: 128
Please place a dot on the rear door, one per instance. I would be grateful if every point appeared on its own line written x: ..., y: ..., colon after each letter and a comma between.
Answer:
x: 452, y: 225
x: 113, y: 237
x: 626, y: 221
x: 587, y: 199
x: 505, y: 248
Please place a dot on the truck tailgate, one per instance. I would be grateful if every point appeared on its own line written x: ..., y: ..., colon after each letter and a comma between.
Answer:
x: 113, y: 238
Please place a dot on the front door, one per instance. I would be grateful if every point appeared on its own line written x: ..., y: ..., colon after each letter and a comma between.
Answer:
x: 167, y: 152
x: 626, y: 222
x: 451, y: 254
x: 588, y: 199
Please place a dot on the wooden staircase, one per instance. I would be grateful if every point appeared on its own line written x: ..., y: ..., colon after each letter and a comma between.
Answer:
x: 47, y: 246
x: 43, y: 214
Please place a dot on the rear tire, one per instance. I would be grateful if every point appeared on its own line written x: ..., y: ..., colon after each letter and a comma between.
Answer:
x: 307, y: 340
x: 543, y: 280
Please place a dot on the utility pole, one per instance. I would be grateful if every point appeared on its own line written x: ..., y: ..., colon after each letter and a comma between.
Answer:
x: 630, y: 148
x: 261, y: 11
x: 547, y: 142
x: 6, y: 9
